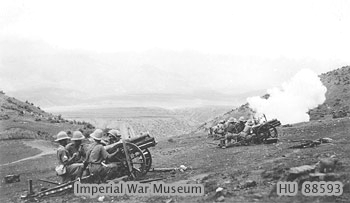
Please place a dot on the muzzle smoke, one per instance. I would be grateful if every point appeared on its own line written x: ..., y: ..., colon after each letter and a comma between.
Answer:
x: 291, y: 103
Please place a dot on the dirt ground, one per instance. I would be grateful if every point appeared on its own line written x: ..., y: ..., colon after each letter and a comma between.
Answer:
x: 8, y: 155
x: 213, y: 167
x: 28, y: 149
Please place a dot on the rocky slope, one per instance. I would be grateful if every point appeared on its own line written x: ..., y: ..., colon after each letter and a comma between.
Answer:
x: 337, y: 102
x: 244, y: 110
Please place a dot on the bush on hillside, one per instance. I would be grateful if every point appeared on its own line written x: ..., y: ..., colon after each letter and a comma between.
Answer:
x: 339, y: 114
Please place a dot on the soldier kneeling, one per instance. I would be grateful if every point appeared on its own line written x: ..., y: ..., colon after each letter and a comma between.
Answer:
x: 244, y: 137
x: 96, y: 156
x: 67, y: 168
x: 220, y: 132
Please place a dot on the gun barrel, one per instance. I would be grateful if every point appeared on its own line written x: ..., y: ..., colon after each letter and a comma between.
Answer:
x: 147, y: 144
x: 274, y: 123
x: 138, y: 139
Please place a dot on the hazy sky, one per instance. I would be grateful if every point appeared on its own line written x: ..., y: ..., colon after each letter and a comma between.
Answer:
x: 114, y: 47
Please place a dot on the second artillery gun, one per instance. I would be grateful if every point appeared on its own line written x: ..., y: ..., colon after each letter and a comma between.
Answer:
x: 265, y: 132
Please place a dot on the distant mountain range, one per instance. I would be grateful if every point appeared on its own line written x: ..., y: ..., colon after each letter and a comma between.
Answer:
x: 51, y: 77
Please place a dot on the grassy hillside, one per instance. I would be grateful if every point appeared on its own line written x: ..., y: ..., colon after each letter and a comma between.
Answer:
x: 25, y: 120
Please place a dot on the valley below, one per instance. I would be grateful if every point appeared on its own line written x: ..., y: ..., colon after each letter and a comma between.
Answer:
x: 159, y: 122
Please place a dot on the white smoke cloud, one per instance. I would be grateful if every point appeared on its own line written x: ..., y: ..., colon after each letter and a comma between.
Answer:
x: 291, y: 103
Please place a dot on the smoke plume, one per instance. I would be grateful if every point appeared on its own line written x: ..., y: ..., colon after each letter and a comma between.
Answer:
x: 291, y: 103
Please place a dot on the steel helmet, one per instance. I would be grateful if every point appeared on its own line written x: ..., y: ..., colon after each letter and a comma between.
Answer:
x: 222, y: 121
x: 241, y: 118
x: 97, y: 134
x: 232, y: 120
x: 62, y: 136
x: 250, y: 122
x: 77, y: 135
x: 114, y: 133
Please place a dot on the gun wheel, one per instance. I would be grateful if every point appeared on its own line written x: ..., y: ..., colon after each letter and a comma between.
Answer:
x: 267, y: 131
x: 137, y: 159
x: 148, y: 157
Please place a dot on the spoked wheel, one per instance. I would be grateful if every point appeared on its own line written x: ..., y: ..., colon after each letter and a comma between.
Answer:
x: 148, y: 157
x: 136, y: 157
x: 267, y: 131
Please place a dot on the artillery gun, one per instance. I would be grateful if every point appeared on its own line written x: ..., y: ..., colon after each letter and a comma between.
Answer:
x: 133, y: 155
x: 264, y: 132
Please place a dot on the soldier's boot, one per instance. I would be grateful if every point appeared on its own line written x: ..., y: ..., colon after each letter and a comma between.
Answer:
x: 228, y: 143
x: 222, y: 143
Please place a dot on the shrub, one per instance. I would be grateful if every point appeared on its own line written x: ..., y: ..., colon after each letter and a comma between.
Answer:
x: 4, y: 117
x: 339, y: 114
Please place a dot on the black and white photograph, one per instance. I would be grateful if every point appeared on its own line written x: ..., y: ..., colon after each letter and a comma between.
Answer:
x: 168, y: 101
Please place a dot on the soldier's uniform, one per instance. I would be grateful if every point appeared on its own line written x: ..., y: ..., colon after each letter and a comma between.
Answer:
x: 230, y: 129
x: 241, y: 124
x: 248, y: 130
x: 214, y: 130
x: 220, y: 131
x: 79, y: 149
x: 73, y: 170
x: 97, y: 154
x: 210, y: 131
x: 246, y: 134
x: 114, y: 136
